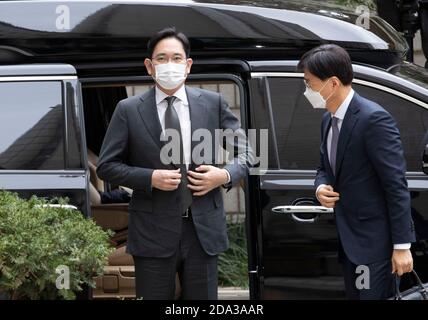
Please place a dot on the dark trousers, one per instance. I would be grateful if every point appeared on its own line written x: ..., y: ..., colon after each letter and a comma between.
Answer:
x: 197, y: 271
x: 381, y: 281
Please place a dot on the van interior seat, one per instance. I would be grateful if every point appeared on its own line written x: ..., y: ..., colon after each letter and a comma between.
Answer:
x: 110, y: 216
x: 120, y: 258
x: 92, y: 164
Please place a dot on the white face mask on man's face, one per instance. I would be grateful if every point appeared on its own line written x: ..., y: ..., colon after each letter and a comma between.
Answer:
x: 315, y: 98
x: 170, y: 75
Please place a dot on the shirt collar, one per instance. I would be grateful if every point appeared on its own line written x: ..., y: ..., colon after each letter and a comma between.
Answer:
x: 341, y: 111
x: 180, y: 94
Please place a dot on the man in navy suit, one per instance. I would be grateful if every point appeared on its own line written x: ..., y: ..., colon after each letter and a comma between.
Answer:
x: 361, y: 175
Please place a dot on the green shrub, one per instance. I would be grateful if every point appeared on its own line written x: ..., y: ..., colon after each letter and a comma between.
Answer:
x: 35, y: 240
x: 233, y: 263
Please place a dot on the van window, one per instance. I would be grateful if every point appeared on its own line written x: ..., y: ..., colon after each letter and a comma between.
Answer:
x: 297, y: 125
x: 31, y: 126
x: 412, y: 121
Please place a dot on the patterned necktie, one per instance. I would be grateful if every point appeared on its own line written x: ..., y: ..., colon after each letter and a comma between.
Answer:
x: 173, y: 122
x: 334, y: 141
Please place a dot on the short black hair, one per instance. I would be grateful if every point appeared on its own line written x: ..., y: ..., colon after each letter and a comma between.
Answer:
x: 169, y: 32
x: 326, y: 61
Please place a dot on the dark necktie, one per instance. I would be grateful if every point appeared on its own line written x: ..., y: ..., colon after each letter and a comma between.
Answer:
x: 173, y: 122
x: 334, y: 141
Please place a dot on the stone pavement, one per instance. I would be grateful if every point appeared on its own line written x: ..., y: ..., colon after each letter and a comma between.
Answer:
x: 233, y: 293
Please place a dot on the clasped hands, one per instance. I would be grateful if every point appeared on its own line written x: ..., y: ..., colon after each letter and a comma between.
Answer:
x: 204, y: 179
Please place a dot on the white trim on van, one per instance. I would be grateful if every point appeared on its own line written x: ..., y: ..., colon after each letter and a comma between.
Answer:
x: 357, y: 81
x: 36, y: 78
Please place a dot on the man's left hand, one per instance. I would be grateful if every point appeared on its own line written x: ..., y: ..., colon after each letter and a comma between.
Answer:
x: 402, y: 261
x: 205, y: 179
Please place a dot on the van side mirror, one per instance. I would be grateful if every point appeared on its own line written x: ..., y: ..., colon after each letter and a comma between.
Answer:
x: 425, y: 160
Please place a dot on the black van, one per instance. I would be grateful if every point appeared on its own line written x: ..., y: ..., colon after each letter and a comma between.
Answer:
x: 65, y: 64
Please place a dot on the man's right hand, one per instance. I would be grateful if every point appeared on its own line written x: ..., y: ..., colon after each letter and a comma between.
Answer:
x: 327, y: 197
x: 166, y: 180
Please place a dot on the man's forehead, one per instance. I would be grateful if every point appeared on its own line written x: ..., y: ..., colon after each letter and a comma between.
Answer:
x: 310, y: 77
x: 169, y: 46
x: 163, y: 53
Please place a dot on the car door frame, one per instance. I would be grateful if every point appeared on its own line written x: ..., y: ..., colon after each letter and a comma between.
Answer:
x: 67, y: 180
x: 235, y: 71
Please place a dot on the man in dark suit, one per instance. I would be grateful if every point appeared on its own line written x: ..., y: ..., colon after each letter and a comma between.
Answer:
x: 361, y: 175
x: 177, y: 221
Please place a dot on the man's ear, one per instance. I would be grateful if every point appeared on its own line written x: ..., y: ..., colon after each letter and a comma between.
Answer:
x: 189, y: 65
x: 149, y: 67
x: 336, y: 82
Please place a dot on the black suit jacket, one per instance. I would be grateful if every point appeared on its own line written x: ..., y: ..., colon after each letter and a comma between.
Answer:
x: 131, y: 151
x: 374, y: 210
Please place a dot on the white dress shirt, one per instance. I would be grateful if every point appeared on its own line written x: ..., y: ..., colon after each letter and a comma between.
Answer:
x: 181, y: 106
x: 340, y: 115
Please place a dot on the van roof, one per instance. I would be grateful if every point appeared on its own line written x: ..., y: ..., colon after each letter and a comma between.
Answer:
x: 37, y: 70
x: 90, y: 31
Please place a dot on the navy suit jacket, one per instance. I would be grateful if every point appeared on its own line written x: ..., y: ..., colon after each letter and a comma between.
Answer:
x: 374, y: 210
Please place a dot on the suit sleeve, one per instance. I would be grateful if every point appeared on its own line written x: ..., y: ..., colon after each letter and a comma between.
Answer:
x: 386, y: 154
x: 321, y: 176
x: 112, y: 164
x: 236, y: 139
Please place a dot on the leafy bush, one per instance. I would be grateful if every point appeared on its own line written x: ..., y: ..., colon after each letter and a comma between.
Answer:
x: 35, y: 239
x: 233, y: 263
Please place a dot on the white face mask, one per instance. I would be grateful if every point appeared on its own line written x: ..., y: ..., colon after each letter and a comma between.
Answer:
x: 315, y: 98
x: 170, y: 75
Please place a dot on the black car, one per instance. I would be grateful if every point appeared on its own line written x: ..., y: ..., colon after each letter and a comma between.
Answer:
x: 65, y: 65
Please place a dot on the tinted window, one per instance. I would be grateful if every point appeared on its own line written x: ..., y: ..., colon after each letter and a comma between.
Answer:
x: 31, y: 126
x: 297, y: 124
x: 412, y: 121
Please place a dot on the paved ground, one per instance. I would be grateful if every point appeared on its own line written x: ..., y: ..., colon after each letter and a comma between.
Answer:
x: 233, y: 293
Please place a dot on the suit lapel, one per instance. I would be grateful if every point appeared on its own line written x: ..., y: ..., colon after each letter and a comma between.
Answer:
x: 348, y: 124
x: 149, y: 114
x: 197, y: 116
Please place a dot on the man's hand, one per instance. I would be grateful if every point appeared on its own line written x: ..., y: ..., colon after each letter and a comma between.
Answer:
x: 205, y: 179
x: 402, y: 261
x: 166, y: 180
x: 327, y: 197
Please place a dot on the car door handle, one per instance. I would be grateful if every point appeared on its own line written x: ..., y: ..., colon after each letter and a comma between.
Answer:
x: 302, y: 209
x: 293, y: 210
